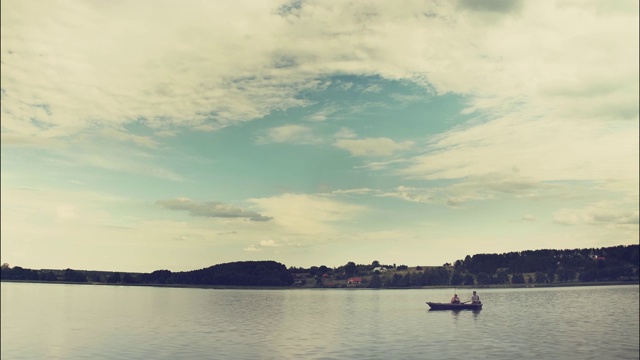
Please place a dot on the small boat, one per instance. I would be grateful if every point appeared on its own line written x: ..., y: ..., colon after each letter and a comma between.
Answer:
x: 450, y: 306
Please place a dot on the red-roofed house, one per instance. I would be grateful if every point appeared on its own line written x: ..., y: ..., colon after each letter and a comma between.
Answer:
x: 354, y: 280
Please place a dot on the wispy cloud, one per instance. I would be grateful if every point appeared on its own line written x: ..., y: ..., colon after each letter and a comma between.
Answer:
x: 324, y: 114
x: 358, y: 191
x: 345, y: 133
x: 372, y: 146
x: 121, y: 160
x: 525, y: 153
x: 308, y: 214
x: 124, y: 136
x: 603, y: 213
x: 374, y: 88
x: 295, y: 134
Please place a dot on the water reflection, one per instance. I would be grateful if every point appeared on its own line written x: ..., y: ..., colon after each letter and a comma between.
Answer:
x: 456, y: 313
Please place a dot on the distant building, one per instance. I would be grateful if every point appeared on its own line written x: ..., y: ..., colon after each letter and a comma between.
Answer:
x: 354, y: 281
x: 379, y: 269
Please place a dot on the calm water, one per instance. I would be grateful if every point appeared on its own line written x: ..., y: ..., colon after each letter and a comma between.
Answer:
x: 56, y: 321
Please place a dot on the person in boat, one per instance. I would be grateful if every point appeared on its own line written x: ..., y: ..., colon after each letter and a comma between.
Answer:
x: 455, y: 299
x: 475, y: 298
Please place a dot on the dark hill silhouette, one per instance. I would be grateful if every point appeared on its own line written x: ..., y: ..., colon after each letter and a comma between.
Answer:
x: 245, y: 273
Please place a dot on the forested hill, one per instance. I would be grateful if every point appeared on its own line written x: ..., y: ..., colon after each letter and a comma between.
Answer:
x: 243, y: 273
x: 246, y: 273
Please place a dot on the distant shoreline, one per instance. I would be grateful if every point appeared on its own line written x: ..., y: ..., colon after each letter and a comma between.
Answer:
x: 232, y: 287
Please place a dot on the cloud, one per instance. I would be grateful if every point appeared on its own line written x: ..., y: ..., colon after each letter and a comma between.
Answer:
x: 211, y: 209
x: 301, y: 214
x: 528, y: 217
x: 118, y: 159
x: 382, y: 165
x: 269, y: 243
x: 34, y: 212
x: 372, y: 146
x: 158, y: 63
x: 345, y: 133
x: 318, y: 117
x: 603, y: 213
x: 375, y: 88
x: 501, y: 6
x: 345, y: 85
x: 453, y: 195
x: 122, y: 135
x: 323, y: 115
x: 411, y: 194
x: 456, y: 192
x: 358, y: 191
x: 517, y: 154
x: 87, y: 76
x: 133, y: 155
x: 263, y: 244
x: 22, y: 140
x: 295, y: 134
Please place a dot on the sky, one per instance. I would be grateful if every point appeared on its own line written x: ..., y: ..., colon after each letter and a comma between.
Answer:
x: 159, y: 134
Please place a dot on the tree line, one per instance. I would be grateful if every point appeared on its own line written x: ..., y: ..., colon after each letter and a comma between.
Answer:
x: 617, y: 263
x: 243, y: 273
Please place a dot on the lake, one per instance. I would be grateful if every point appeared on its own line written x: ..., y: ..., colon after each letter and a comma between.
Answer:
x: 58, y: 321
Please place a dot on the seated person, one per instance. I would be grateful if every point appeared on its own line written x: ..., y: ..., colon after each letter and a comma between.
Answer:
x: 475, y: 299
x: 455, y: 299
